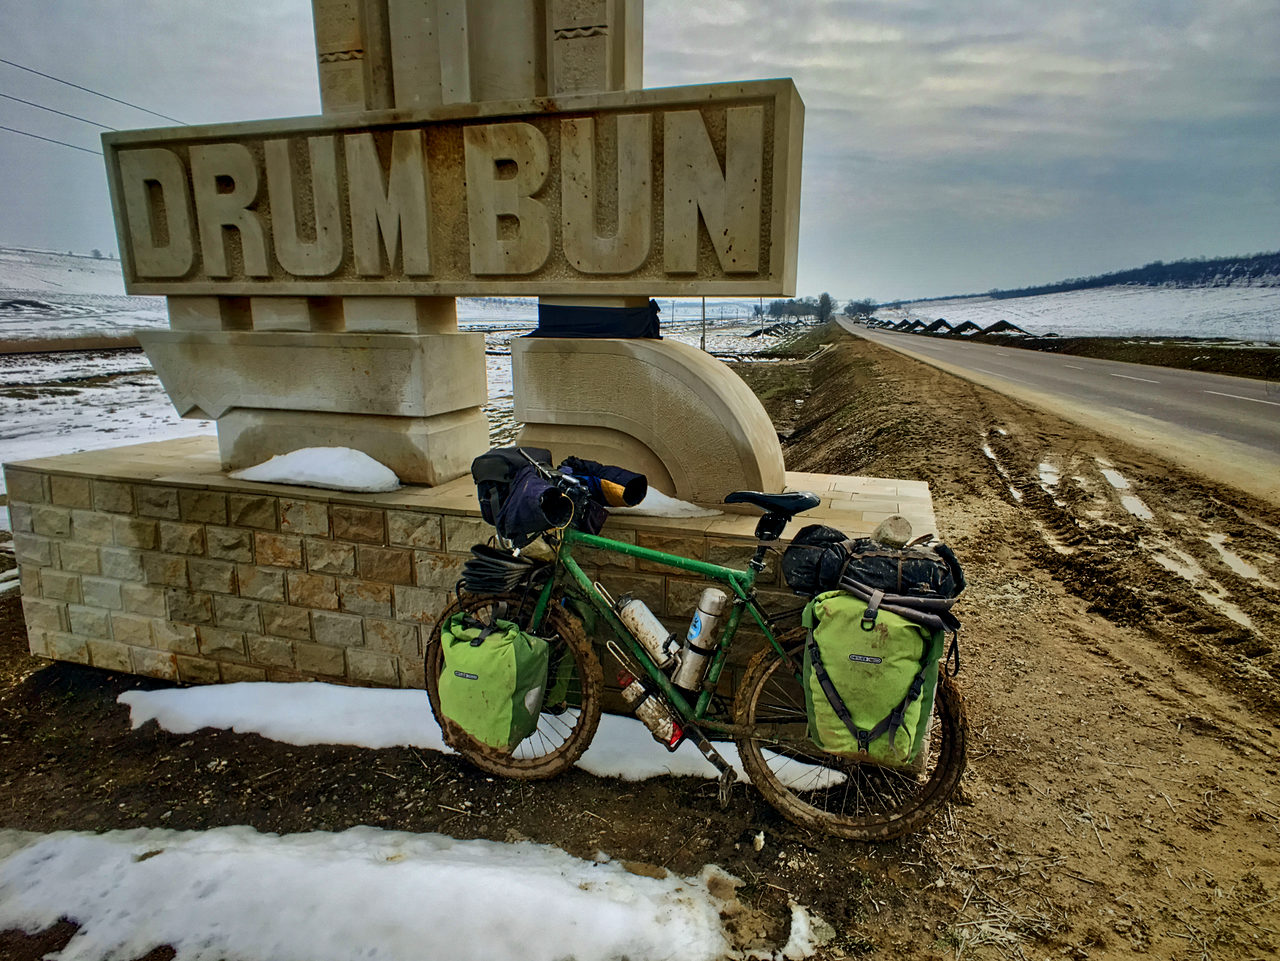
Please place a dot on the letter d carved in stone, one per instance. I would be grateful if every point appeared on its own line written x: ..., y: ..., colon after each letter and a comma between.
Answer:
x: 499, y: 245
x: 155, y: 204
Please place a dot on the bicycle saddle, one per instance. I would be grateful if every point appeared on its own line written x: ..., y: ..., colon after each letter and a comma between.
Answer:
x: 788, y: 504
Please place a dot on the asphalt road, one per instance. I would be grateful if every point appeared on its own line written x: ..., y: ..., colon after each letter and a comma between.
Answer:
x: 1205, y: 416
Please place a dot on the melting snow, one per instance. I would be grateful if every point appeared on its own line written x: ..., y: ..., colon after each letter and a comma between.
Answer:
x: 334, y: 468
x: 658, y: 504
x: 1136, y: 507
x: 363, y: 893
x: 315, y: 713
x: 1049, y: 475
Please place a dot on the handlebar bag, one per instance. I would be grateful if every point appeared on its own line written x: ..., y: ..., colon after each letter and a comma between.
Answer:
x: 493, y: 682
x: 495, y: 470
x: 869, y: 678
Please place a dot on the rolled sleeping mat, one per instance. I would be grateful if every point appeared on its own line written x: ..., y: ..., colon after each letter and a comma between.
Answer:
x: 609, y: 485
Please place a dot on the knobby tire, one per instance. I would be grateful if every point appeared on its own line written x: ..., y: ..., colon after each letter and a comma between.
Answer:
x: 831, y: 793
x: 564, y: 730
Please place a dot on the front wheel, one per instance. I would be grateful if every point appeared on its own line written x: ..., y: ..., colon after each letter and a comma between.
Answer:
x: 831, y: 793
x: 565, y: 727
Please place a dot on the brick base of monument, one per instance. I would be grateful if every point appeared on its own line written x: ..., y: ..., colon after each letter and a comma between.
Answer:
x: 148, y: 559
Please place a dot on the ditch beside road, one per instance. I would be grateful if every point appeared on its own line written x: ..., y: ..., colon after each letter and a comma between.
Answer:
x: 1118, y: 666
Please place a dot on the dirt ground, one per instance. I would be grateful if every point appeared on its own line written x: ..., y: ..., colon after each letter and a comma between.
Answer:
x: 1123, y: 788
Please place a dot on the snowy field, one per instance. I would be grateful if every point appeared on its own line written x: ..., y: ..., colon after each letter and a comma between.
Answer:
x: 1237, y: 313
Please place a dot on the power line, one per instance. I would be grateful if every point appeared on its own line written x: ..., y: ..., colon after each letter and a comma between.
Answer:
x: 94, y: 92
x: 51, y: 140
x: 58, y: 112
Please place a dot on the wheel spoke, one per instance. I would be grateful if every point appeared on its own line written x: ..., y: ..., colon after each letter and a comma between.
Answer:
x: 558, y: 739
x: 835, y: 793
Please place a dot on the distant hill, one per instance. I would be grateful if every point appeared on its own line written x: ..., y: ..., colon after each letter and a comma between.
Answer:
x: 1252, y: 270
x: 1249, y: 270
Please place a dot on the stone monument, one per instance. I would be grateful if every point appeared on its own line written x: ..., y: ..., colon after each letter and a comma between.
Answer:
x: 466, y: 148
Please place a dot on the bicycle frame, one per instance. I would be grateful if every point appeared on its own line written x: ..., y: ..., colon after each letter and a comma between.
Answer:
x: 740, y: 583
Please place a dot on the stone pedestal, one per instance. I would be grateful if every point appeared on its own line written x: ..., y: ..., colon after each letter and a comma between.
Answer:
x: 659, y: 407
x: 149, y: 559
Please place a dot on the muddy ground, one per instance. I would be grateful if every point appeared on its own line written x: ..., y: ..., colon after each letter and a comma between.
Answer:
x: 1123, y: 790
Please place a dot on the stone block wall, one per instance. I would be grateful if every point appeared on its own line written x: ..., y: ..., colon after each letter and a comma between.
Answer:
x: 149, y: 560
x: 209, y: 585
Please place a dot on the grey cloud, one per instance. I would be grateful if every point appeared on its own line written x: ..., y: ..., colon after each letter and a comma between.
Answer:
x: 948, y: 146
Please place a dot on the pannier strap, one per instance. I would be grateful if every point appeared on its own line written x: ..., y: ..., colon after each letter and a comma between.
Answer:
x: 931, y: 613
x: 889, y: 724
x: 872, y: 609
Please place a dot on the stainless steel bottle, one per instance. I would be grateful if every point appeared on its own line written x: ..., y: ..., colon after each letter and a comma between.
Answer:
x: 655, y: 715
x: 700, y: 642
x: 648, y: 630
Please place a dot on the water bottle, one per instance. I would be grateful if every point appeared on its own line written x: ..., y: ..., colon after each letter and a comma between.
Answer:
x: 655, y: 715
x: 657, y: 641
x: 700, y: 642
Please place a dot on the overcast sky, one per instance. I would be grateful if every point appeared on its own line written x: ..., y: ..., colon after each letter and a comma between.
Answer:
x: 950, y: 145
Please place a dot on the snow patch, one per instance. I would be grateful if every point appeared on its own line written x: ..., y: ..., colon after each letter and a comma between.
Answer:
x: 1050, y: 476
x: 316, y: 713
x: 1136, y: 507
x: 658, y: 504
x: 1234, y: 561
x: 365, y: 892
x: 334, y: 468
x: 309, y: 713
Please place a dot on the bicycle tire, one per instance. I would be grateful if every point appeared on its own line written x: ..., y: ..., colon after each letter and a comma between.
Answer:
x: 835, y: 794
x: 564, y: 730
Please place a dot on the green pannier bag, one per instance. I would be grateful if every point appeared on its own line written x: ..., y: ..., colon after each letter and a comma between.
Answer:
x: 493, y: 681
x: 869, y: 680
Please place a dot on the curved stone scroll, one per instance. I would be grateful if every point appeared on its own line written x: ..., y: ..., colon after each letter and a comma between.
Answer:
x: 657, y: 406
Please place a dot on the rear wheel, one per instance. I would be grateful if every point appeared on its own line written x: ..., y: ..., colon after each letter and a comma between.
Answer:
x: 832, y: 793
x: 565, y: 727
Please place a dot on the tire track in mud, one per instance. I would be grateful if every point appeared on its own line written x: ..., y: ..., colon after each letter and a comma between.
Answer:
x: 1151, y: 555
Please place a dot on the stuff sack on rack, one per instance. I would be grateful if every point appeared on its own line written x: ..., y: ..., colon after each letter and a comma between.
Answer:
x: 514, y: 495
x: 870, y: 676
x: 820, y: 558
x: 812, y: 562
x: 493, y: 681
x: 923, y: 568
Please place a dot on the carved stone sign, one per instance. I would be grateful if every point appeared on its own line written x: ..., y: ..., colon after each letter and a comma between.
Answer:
x: 683, y: 190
